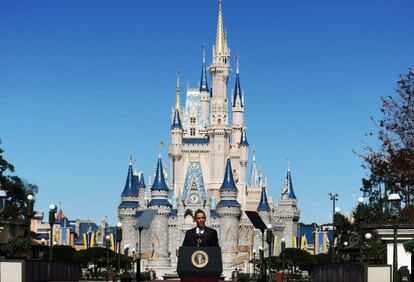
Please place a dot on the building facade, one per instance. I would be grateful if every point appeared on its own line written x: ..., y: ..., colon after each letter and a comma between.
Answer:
x: 208, y: 160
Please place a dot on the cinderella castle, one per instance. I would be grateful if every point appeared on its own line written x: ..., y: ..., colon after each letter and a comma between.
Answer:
x: 208, y: 160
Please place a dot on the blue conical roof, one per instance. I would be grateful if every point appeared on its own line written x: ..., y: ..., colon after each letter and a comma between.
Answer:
x: 129, y: 188
x: 228, y: 181
x: 289, y: 181
x: 203, y: 80
x: 135, y: 183
x: 141, y: 183
x: 243, y: 139
x: 263, y: 204
x: 177, y: 120
x: 159, y: 180
x: 237, y: 94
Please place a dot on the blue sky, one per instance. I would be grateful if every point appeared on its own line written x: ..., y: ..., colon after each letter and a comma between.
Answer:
x: 83, y: 83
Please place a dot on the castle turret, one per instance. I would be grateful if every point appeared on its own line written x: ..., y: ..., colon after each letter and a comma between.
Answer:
x: 244, y: 157
x: 204, y: 90
x: 229, y: 212
x: 159, y: 225
x: 218, y: 130
x: 287, y: 211
x: 141, y: 190
x: 237, y: 108
x: 175, y: 151
x: 128, y: 207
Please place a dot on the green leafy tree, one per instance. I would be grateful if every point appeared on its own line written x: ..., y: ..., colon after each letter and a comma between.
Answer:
x: 16, y: 247
x: 63, y: 253
x: 298, y: 259
x: 16, y: 190
x: 94, y: 260
x: 393, y: 160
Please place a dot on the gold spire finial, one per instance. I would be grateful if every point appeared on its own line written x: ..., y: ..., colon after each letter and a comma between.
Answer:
x: 221, y: 44
x: 178, y: 93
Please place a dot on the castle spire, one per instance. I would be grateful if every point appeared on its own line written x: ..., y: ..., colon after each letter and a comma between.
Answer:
x: 254, y: 175
x: 290, y: 191
x: 263, y: 204
x: 228, y: 181
x: 237, y: 95
x: 221, y: 43
x: 177, y: 120
x: 178, y: 93
x: 129, y: 187
x: 203, y: 81
x: 159, y: 180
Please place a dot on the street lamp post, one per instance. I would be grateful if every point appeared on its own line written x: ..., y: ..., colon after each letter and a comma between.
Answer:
x: 362, y: 217
x: 394, y: 201
x: 269, y: 238
x: 133, y: 259
x: 108, y: 245
x: 126, y: 251
x: 283, y: 253
x: 119, y: 240
x: 254, y: 262
x: 28, y: 218
x: 52, y: 219
x: 334, y: 198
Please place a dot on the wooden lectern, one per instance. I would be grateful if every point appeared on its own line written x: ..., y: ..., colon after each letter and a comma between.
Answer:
x: 199, y: 264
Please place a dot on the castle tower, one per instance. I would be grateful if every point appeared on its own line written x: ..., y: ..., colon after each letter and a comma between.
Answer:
x: 128, y: 207
x: 287, y: 211
x: 244, y: 157
x: 204, y: 90
x: 176, y: 135
x: 237, y: 108
x: 229, y: 212
x: 159, y: 225
x: 218, y: 129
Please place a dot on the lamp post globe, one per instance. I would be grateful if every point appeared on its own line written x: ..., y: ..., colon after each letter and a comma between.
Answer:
x: 368, y: 236
x: 361, y: 200
x: 337, y: 210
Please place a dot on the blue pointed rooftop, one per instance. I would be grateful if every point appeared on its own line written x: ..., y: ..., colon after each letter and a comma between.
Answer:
x: 228, y: 181
x: 243, y: 139
x: 141, y: 181
x: 263, y: 204
x: 159, y: 180
x: 237, y: 94
x: 177, y: 120
x: 291, y: 192
x: 129, y: 188
x: 203, y: 80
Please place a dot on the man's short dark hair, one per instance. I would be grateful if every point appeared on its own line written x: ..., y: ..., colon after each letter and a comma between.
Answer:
x: 198, y: 211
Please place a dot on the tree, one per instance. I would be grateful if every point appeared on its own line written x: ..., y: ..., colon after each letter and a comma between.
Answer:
x: 392, y: 162
x: 94, y: 259
x: 63, y: 253
x: 16, y: 247
x: 16, y: 191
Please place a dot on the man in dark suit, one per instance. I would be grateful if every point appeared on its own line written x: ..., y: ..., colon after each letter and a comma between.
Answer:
x: 201, y: 235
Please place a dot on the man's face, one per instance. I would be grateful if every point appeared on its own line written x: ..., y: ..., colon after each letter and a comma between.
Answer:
x: 200, y: 219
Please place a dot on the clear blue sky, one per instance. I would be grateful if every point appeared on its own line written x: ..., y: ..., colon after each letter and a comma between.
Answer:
x: 83, y: 83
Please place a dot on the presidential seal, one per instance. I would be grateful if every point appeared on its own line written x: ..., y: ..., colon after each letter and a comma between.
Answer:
x: 199, y: 259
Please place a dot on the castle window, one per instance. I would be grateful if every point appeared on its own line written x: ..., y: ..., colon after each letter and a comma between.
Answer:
x: 192, y: 120
x: 192, y: 131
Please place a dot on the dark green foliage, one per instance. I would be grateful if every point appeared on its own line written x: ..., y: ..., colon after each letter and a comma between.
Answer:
x: 16, y: 191
x: 16, y: 247
x: 298, y: 259
x: 63, y: 253
x: 409, y: 246
x: 94, y: 260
